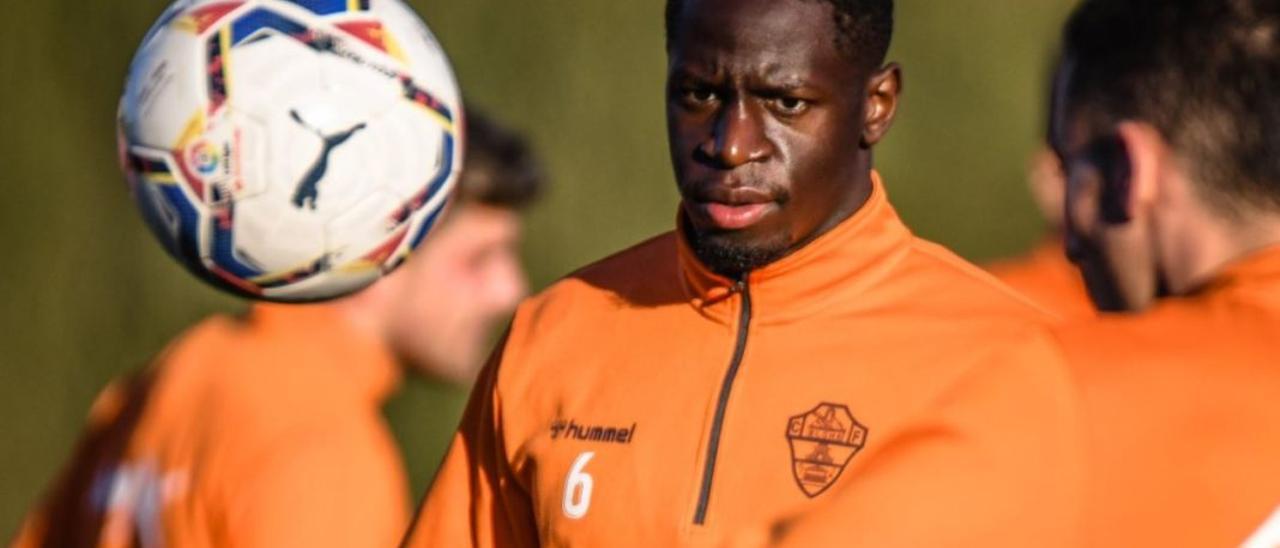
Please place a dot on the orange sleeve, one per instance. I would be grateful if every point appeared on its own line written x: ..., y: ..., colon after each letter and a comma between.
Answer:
x: 321, y: 489
x: 995, y: 463
x: 62, y: 515
x: 476, y: 498
x: 29, y: 533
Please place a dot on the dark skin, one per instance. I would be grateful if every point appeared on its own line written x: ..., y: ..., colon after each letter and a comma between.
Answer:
x: 771, y: 127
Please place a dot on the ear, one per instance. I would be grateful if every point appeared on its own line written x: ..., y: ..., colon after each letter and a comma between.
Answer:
x: 883, y: 90
x: 1145, y: 150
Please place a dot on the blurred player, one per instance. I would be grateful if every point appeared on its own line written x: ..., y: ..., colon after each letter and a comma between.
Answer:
x: 267, y: 431
x: 1045, y: 274
x: 1165, y: 117
x: 791, y: 337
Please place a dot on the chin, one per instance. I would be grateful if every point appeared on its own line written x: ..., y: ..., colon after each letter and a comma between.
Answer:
x: 732, y: 254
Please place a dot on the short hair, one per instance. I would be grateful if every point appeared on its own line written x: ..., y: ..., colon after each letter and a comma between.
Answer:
x: 865, y: 28
x: 500, y: 168
x: 1204, y: 73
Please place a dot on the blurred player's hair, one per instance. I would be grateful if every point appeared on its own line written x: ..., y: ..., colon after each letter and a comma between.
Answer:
x: 1204, y: 73
x: 866, y: 28
x: 501, y: 170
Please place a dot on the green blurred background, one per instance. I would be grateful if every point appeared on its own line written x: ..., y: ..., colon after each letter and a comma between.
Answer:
x: 85, y: 293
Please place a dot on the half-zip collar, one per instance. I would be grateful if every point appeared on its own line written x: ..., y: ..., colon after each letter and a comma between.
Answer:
x: 845, y: 261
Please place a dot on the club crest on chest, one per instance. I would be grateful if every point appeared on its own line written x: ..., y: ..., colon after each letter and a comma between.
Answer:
x: 823, y: 440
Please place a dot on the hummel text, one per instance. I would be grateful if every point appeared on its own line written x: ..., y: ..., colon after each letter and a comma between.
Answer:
x: 605, y: 434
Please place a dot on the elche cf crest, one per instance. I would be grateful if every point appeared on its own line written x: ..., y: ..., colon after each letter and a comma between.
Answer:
x: 823, y: 441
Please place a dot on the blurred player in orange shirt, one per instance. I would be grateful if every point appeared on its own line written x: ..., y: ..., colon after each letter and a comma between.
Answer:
x: 1045, y: 274
x: 267, y: 431
x: 789, y: 339
x: 1166, y: 116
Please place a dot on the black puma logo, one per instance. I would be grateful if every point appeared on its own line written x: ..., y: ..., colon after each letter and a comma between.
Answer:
x: 308, y: 188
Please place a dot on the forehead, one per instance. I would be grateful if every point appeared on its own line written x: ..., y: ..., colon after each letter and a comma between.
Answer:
x: 759, y: 35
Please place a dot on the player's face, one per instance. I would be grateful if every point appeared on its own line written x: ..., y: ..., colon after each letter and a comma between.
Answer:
x: 766, y: 124
x: 462, y: 280
x: 1048, y: 186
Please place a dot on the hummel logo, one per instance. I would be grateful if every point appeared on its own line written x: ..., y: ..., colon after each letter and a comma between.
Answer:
x: 572, y: 430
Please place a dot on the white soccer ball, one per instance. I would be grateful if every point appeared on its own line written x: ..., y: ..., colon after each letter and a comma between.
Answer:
x: 290, y: 150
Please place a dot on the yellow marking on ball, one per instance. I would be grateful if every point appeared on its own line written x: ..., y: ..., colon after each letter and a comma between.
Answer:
x: 394, y: 49
x: 282, y: 274
x: 439, y: 118
x: 193, y: 130
x: 224, y: 37
x: 359, y: 266
x: 186, y: 23
x: 166, y: 179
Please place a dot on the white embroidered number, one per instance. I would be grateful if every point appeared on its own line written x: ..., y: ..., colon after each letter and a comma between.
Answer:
x: 577, y: 487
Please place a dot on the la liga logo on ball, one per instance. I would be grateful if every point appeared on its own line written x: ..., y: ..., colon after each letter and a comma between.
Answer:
x: 290, y: 150
x: 212, y: 164
x: 205, y: 158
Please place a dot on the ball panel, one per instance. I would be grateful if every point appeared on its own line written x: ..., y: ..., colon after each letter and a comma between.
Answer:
x: 363, y: 229
x: 328, y: 7
x: 269, y: 71
x: 161, y: 89
x: 167, y: 205
x: 428, y: 68
x: 403, y: 128
x: 330, y: 285
x: 275, y: 238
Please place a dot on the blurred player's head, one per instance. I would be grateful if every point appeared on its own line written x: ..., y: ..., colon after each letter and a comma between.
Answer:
x: 1165, y: 117
x: 1048, y: 188
x: 772, y: 109
x: 438, y: 310
x: 1045, y: 178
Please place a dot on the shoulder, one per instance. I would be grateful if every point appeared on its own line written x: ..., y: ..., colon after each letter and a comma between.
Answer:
x: 1169, y: 329
x: 251, y: 385
x: 210, y: 337
x: 644, y: 275
x: 985, y: 344
x: 954, y: 286
x: 629, y: 275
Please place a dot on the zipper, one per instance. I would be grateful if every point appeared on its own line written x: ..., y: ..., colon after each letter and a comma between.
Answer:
x: 709, y: 468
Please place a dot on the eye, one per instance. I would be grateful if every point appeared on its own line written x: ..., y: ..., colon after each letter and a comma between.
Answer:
x: 699, y: 96
x: 789, y: 105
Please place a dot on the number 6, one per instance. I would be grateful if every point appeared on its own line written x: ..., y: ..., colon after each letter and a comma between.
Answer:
x: 576, y: 506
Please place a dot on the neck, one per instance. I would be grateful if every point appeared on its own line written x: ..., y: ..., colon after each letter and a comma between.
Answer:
x: 851, y: 203
x: 1208, y: 243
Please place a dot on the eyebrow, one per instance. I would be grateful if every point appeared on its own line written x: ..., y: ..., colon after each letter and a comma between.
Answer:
x: 770, y: 77
x: 789, y: 84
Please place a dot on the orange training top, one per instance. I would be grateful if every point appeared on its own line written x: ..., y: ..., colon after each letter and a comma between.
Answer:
x: 1048, y: 278
x: 259, y: 433
x: 645, y: 401
x: 1183, y: 406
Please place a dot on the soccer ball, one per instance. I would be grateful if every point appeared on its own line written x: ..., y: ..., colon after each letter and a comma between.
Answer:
x: 290, y: 150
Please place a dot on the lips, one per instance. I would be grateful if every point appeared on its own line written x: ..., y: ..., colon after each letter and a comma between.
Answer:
x: 735, y: 217
x: 729, y: 208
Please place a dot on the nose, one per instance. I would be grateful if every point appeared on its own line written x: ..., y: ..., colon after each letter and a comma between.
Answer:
x: 506, y: 284
x: 738, y: 138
